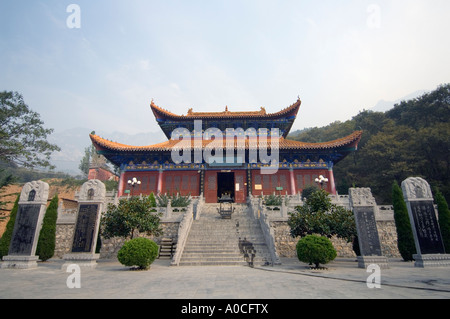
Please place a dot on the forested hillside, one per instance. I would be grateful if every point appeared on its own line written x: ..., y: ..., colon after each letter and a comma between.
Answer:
x: 412, y: 139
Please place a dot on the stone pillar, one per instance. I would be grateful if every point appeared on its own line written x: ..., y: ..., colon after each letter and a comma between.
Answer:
x: 422, y: 215
x: 292, y: 179
x: 28, y: 224
x: 363, y: 206
x: 90, y: 207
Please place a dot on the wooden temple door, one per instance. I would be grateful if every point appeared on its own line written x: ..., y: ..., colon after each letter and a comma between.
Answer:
x: 210, y: 187
x: 240, y: 190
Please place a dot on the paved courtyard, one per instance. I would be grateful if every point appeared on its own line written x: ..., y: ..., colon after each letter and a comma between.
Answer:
x: 291, y: 280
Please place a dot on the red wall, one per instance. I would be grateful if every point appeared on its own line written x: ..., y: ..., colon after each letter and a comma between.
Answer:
x: 270, y: 182
x: 149, y: 182
x: 185, y: 182
x: 306, y: 178
x: 282, y: 178
x: 182, y: 182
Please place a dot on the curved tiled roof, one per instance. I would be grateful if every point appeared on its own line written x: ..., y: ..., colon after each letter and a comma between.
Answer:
x: 286, y: 144
x: 162, y: 113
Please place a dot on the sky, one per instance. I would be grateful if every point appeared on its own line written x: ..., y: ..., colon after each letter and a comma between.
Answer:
x: 100, y: 66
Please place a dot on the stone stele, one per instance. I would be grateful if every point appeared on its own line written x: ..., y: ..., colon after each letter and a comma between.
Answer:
x: 27, y: 226
x: 363, y: 205
x: 91, y: 202
x: 422, y: 215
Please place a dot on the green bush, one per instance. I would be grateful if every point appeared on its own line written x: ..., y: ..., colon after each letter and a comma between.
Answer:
x: 6, y: 237
x: 405, y: 238
x: 314, y: 249
x: 140, y: 252
x: 45, y: 248
x: 176, y: 200
x: 444, y: 219
x: 273, y: 200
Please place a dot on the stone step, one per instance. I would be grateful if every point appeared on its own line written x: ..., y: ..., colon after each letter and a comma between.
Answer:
x: 215, y: 241
x: 213, y: 263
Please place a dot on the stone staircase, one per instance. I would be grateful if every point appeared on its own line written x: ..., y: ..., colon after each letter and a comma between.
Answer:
x: 216, y: 241
x: 166, y: 248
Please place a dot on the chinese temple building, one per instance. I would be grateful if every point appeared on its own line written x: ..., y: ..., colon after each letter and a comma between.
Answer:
x: 226, y: 153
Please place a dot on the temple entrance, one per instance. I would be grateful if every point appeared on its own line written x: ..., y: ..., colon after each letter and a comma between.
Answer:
x: 225, y: 186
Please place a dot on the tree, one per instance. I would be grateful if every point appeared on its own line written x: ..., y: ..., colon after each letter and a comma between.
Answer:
x: 45, y: 248
x: 6, y: 237
x: 405, y: 239
x: 23, y: 139
x: 85, y: 161
x: 444, y: 219
x: 308, y: 190
x: 319, y: 216
x: 5, y: 179
x: 91, y: 157
x: 411, y: 139
x: 130, y: 215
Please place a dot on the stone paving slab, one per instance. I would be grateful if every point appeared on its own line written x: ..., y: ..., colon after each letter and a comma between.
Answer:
x: 291, y: 280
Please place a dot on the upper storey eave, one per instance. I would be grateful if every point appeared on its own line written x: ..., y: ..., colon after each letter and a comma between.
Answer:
x: 163, y: 114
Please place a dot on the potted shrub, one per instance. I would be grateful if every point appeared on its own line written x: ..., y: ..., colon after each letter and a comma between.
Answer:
x: 314, y: 249
x: 138, y: 252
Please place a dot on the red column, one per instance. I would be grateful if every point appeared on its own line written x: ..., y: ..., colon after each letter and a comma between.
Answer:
x: 291, y: 177
x: 122, y: 182
x: 160, y: 180
x: 331, y: 181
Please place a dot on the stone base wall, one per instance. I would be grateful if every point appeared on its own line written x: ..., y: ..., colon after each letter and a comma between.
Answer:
x: 64, y: 239
x: 388, y: 238
x: 111, y: 246
x: 285, y: 244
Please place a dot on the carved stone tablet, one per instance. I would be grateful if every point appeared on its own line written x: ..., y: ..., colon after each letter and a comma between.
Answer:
x: 369, y: 242
x: 30, y: 213
x: 363, y: 205
x: 91, y: 201
x: 424, y: 224
x: 24, y: 231
x: 85, y: 228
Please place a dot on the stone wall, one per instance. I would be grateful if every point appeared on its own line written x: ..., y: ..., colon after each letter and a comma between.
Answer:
x: 388, y: 238
x: 64, y: 239
x: 285, y: 243
x: 111, y: 246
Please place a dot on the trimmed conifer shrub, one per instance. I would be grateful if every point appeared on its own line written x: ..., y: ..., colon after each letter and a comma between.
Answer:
x: 405, y: 239
x: 138, y: 252
x: 45, y: 248
x: 444, y: 219
x: 6, y: 237
x: 314, y: 249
